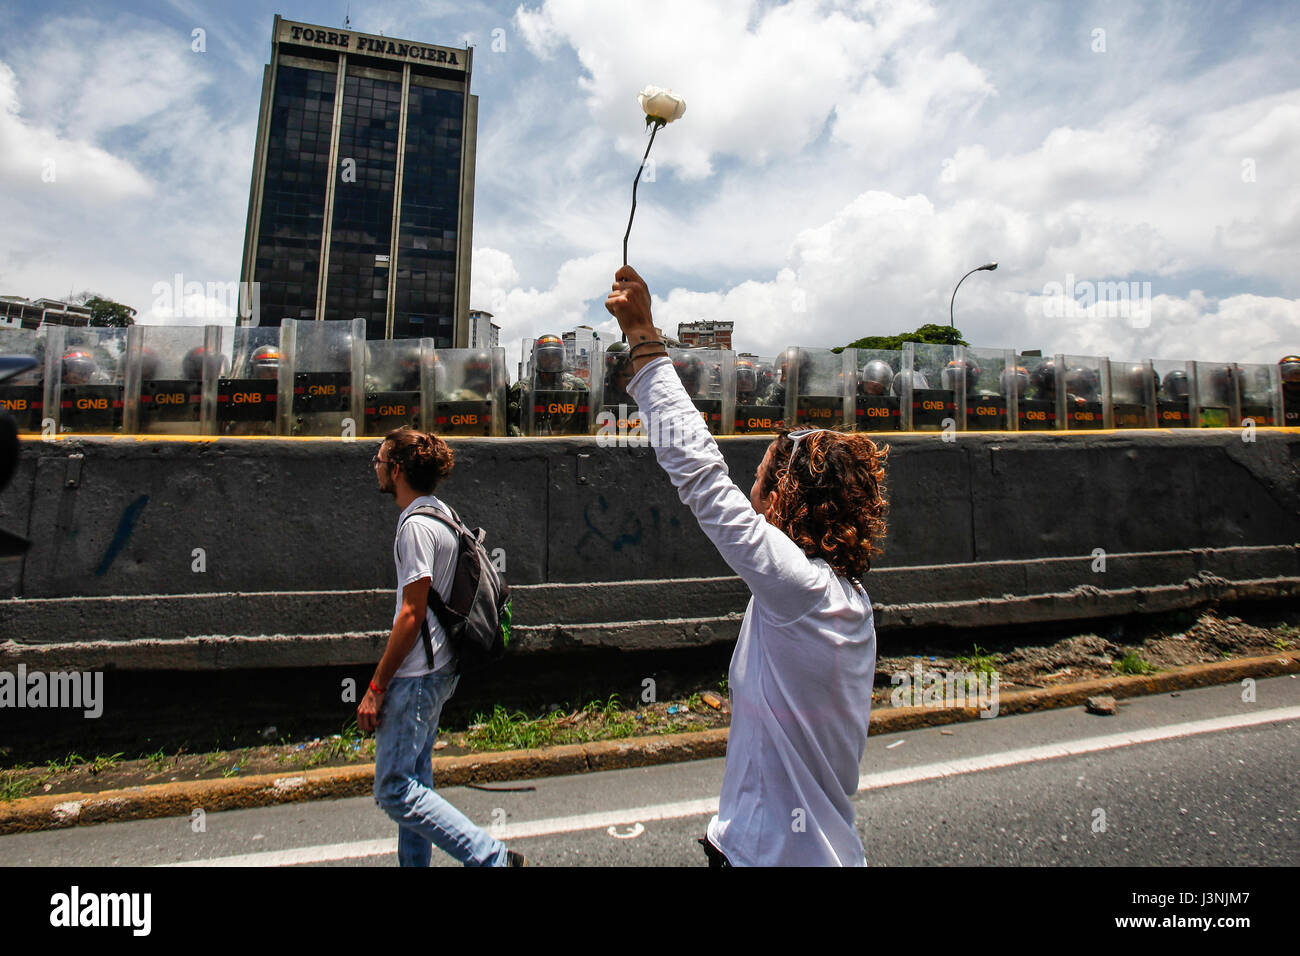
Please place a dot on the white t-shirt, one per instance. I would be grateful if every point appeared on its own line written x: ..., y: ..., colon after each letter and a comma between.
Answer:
x: 424, y: 548
x: 803, y: 668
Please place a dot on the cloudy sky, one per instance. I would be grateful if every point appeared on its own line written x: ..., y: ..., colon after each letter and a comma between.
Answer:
x: 839, y: 166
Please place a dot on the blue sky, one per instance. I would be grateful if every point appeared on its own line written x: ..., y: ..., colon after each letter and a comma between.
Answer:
x: 839, y: 165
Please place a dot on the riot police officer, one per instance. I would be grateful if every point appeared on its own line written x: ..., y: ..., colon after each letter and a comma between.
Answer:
x: 548, y: 375
x: 691, y: 372
x: 746, y: 382
x: 786, y: 363
x: 618, y: 372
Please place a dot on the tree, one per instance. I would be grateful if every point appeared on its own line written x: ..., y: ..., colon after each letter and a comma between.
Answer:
x: 929, y: 334
x: 105, y: 312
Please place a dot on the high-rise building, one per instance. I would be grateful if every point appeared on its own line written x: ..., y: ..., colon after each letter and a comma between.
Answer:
x: 483, y: 332
x: 706, y: 334
x: 362, y: 195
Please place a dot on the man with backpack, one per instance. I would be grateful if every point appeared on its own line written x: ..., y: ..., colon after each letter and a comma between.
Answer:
x: 418, y: 672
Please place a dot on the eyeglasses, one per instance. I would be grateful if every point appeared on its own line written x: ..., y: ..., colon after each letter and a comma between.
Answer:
x: 376, y: 460
x: 800, y: 435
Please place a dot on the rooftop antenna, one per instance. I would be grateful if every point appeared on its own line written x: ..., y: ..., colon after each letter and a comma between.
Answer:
x: 347, y: 18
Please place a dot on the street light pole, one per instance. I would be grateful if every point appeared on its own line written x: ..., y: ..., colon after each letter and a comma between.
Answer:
x: 988, y: 266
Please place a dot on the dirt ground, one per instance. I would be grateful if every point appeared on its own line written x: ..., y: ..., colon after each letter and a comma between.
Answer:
x: 1171, y: 641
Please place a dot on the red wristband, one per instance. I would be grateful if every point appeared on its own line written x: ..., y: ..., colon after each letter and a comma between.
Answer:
x: 377, y: 689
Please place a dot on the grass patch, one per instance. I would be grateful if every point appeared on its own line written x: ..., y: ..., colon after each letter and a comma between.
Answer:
x: 514, y: 730
x: 980, y: 661
x: 14, y: 785
x: 1132, y: 663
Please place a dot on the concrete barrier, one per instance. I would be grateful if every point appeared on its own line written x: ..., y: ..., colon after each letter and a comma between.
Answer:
x: 234, y: 552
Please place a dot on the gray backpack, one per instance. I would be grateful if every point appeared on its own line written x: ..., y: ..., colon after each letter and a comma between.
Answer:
x: 476, y: 615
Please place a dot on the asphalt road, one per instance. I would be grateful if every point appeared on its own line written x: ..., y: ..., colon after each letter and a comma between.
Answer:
x: 1197, y: 778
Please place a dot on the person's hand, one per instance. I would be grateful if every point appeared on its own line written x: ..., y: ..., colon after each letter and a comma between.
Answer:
x: 368, y: 711
x: 629, y: 302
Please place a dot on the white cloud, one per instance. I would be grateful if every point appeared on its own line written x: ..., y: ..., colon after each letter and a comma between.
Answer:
x: 35, y: 157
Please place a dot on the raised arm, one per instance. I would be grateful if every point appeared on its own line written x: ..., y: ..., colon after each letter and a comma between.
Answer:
x: 779, y: 574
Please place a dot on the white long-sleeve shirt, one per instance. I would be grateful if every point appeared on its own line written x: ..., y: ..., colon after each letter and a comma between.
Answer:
x: 802, y: 671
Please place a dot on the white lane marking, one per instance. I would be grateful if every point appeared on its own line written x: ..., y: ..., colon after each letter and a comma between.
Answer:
x: 691, y: 808
x: 632, y: 833
x: 1009, y: 758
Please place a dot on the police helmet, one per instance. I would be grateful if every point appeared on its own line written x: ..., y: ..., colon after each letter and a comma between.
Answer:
x: 197, y: 358
x: 1289, y: 369
x: 746, y: 377
x: 690, y: 371
x: 265, y: 362
x: 875, y: 378
x: 1223, y: 382
x: 548, y: 354
x: 951, y: 374
x: 918, y: 381
x: 1014, y: 380
x: 1175, y: 387
x: 1043, y: 381
x: 149, y: 365
x: 79, y: 367
x: 1083, y: 383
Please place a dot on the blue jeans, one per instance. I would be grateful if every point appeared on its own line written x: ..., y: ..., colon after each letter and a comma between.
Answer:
x: 404, y: 777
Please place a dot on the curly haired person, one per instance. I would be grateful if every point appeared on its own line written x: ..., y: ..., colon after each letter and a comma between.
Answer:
x: 412, y: 682
x: 804, y: 664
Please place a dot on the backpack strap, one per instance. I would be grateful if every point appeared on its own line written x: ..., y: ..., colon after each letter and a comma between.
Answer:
x: 435, y: 601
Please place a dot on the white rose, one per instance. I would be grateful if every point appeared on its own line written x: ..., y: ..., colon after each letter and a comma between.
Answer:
x: 662, y: 105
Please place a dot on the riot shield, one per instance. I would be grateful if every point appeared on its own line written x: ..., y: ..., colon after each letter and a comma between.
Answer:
x: 249, y: 400
x: 876, y: 407
x: 618, y: 412
x: 1173, y: 393
x: 165, y: 367
x: 469, y: 391
x: 821, y: 387
x: 556, y: 398
x: 1215, y: 400
x: 23, y: 395
x: 1084, y: 401
x: 927, y: 403
x: 1037, y: 411
x: 1288, y: 370
x: 755, y: 411
x: 994, y: 386
x: 91, y: 376
x: 392, y: 379
x: 325, y: 358
x: 1133, y: 387
x: 1260, y: 398
x: 708, y: 375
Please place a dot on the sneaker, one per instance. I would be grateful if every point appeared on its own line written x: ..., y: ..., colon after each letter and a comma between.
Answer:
x: 516, y: 859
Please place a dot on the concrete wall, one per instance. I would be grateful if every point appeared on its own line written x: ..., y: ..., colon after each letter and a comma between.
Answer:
x: 115, y: 523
